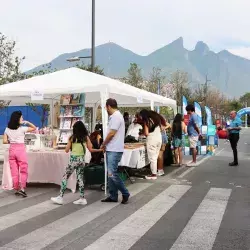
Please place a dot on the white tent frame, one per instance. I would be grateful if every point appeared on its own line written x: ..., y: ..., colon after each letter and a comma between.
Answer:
x: 98, y: 88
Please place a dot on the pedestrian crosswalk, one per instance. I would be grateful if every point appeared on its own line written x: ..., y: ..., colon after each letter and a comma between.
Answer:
x: 147, y: 222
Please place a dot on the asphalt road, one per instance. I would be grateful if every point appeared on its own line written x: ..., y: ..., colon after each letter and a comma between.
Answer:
x: 200, y: 208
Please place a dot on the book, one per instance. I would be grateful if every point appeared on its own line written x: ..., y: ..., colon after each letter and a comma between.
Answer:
x: 77, y: 110
x: 74, y: 120
x: 64, y: 137
x: 75, y: 98
x: 62, y: 110
x: 68, y: 111
x: 66, y: 123
x: 65, y: 99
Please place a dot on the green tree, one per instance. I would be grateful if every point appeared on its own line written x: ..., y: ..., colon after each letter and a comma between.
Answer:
x: 97, y: 68
x: 134, y: 76
x: 156, y: 79
x: 245, y: 99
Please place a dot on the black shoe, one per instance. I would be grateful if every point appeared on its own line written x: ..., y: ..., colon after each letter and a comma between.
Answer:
x: 21, y: 192
x: 108, y: 199
x: 233, y: 164
x: 125, y: 199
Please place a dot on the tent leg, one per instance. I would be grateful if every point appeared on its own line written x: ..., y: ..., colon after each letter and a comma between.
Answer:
x: 152, y: 105
x: 104, y: 97
x: 95, y: 108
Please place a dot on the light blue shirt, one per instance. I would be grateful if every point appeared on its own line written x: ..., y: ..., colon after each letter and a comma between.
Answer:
x: 236, y: 123
x: 193, y: 122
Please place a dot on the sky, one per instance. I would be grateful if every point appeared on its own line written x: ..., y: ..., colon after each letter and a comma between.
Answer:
x: 45, y: 29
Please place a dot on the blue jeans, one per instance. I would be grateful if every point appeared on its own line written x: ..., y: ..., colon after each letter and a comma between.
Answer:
x: 114, y: 180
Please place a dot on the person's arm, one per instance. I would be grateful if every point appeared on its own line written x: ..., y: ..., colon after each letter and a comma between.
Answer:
x: 184, y: 127
x: 5, y: 139
x: 31, y: 127
x: 68, y: 147
x: 146, y: 130
x: 90, y: 147
x: 196, y: 125
x: 98, y: 139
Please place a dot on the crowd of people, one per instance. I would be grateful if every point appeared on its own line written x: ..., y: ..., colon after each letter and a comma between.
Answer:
x: 147, y: 124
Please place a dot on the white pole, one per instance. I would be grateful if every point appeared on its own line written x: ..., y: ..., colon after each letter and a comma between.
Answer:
x: 104, y: 97
x: 152, y: 105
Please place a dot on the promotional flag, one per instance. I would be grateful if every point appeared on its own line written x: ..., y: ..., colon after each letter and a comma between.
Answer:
x: 184, y: 105
x: 198, y: 112
x: 208, y: 115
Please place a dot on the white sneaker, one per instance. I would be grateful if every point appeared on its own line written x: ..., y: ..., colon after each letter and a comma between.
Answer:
x: 151, y: 177
x: 57, y: 200
x: 81, y: 201
x: 160, y: 172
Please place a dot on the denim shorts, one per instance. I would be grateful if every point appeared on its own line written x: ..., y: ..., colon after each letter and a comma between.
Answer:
x: 164, y: 137
x: 177, y: 142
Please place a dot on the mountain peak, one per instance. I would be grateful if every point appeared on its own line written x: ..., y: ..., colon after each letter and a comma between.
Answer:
x: 177, y: 43
x: 201, y: 48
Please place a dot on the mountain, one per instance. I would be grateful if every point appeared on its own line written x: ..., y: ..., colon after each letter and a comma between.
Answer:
x: 228, y: 72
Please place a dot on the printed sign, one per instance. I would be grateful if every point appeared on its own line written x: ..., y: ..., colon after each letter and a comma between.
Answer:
x: 36, y: 96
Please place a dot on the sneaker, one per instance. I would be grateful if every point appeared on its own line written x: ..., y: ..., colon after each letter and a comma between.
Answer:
x: 125, y: 199
x: 233, y: 164
x: 81, y: 201
x: 160, y: 172
x: 151, y: 177
x: 57, y: 200
x: 108, y: 199
x: 22, y: 193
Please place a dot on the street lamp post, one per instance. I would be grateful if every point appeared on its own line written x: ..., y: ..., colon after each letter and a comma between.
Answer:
x: 76, y: 59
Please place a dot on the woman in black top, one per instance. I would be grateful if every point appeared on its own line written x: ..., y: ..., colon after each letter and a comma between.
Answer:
x: 178, y: 129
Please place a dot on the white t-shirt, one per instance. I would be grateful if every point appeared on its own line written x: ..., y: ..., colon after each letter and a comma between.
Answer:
x: 16, y: 135
x: 116, y: 122
x: 134, y: 130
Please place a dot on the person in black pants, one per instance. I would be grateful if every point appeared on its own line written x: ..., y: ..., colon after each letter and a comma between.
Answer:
x: 234, y: 135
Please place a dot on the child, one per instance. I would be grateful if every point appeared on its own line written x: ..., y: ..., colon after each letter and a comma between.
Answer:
x: 14, y: 134
x: 76, y: 144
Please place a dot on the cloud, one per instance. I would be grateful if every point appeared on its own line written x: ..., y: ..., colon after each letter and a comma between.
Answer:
x: 45, y: 29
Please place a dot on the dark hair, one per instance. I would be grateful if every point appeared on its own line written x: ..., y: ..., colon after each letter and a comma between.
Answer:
x: 151, y: 118
x: 163, y: 121
x: 14, y: 122
x: 177, y: 128
x: 190, y: 107
x: 125, y: 114
x: 80, y: 133
x: 112, y: 103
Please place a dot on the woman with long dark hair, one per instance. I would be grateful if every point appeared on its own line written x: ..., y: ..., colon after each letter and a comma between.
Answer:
x: 77, y: 145
x: 160, y: 161
x: 178, y: 129
x: 152, y: 130
x: 14, y: 134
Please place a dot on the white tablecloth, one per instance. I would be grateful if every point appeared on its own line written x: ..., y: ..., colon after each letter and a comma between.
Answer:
x: 49, y: 166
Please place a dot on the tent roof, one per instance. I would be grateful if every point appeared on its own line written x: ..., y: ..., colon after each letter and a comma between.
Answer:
x: 74, y: 80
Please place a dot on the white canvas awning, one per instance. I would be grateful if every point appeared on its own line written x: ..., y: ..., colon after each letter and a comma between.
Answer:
x: 74, y: 80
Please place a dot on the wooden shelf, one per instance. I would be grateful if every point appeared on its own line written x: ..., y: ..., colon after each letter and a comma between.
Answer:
x: 77, y: 104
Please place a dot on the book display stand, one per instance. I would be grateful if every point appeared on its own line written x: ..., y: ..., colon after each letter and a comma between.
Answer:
x: 72, y: 109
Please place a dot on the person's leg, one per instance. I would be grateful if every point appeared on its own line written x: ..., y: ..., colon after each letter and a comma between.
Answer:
x: 68, y: 172
x: 176, y: 155
x: 160, y: 160
x: 193, y: 144
x: 14, y: 167
x: 23, y: 166
x: 234, y: 138
x: 152, y: 156
x: 115, y: 182
x: 180, y: 155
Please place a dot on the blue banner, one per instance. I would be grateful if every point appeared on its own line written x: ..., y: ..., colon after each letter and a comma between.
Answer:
x: 208, y: 115
x: 184, y: 105
x: 198, y: 112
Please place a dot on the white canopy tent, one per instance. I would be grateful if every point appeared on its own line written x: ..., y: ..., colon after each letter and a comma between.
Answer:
x: 73, y: 80
x: 96, y: 87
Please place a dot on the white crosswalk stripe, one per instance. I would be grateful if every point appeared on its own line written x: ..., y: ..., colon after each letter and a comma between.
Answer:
x: 198, y: 232
x: 203, y: 227
x: 124, y: 235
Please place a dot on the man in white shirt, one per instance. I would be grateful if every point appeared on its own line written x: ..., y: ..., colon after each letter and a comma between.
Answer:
x: 134, y: 128
x: 114, y: 146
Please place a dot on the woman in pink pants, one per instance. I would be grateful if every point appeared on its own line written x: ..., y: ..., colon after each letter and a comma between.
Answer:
x: 14, y: 134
